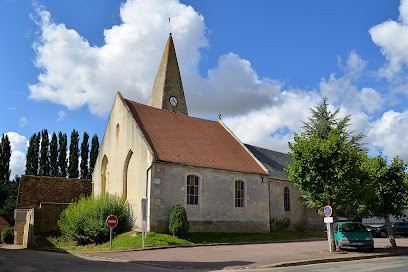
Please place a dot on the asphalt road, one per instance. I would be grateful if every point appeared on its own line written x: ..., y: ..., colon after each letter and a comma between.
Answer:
x: 389, y: 264
x: 204, y: 258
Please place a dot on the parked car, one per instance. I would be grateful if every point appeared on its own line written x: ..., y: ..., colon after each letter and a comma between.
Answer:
x: 353, y: 235
x: 399, y: 228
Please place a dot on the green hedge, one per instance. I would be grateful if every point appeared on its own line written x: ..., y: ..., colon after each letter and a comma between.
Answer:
x: 85, y: 220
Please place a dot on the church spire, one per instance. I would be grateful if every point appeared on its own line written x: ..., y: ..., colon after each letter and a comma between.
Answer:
x: 168, y: 90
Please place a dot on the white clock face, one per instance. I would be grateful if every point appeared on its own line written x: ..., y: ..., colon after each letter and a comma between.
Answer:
x: 173, y: 101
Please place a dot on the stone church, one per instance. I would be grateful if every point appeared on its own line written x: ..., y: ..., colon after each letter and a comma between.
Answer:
x: 160, y: 153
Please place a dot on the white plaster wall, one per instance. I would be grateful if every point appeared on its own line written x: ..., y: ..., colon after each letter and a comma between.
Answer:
x: 115, y: 145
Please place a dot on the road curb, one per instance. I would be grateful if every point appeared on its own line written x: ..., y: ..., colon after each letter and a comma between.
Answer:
x: 333, y: 260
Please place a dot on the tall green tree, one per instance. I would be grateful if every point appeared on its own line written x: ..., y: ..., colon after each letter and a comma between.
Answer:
x: 84, y: 156
x: 36, y: 157
x: 44, y: 154
x: 93, y: 154
x: 30, y: 169
x: 73, y: 171
x: 322, y: 122
x: 62, y: 155
x: 54, y: 155
x: 5, y: 155
x: 388, y: 187
x: 9, y: 199
x: 327, y: 161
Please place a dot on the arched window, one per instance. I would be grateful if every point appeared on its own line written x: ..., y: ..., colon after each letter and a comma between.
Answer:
x: 239, y: 193
x: 192, y: 189
x: 125, y: 174
x: 104, y: 174
x: 286, y: 199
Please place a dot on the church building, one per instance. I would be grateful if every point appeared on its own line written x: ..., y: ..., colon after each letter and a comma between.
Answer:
x: 160, y: 153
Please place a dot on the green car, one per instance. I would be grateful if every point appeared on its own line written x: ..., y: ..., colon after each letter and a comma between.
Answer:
x: 353, y: 235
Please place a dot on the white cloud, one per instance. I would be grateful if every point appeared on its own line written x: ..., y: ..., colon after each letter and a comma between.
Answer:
x: 22, y: 122
x: 61, y: 115
x: 75, y: 74
x: 18, y: 157
x: 343, y: 90
x: 390, y: 134
x: 392, y: 38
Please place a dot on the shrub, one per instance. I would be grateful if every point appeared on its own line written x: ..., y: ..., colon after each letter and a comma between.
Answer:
x: 178, y: 224
x: 280, y: 224
x: 7, y: 236
x: 301, y: 227
x: 85, y: 220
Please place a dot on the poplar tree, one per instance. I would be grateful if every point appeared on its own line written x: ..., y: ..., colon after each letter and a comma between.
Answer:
x: 5, y: 154
x: 73, y: 155
x: 54, y: 156
x: 93, y: 154
x: 30, y: 156
x: 84, y: 156
x: 62, y: 155
x: 36, y: 154
x: 44, y: 157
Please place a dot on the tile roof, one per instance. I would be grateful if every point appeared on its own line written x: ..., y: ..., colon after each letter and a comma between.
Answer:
x: 182, y: 139
x: 3, y: 222
x: 275, y: 162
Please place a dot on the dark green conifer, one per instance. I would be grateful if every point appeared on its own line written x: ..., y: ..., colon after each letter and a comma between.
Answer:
x: 44, y: 157
x: 62, y: 155
x: 73, y: 155
x: 54, y: 156
x: 84, y: 156
x: 93, y: 155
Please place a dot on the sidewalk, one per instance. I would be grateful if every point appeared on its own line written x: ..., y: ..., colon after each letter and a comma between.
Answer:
x: 246, y: 256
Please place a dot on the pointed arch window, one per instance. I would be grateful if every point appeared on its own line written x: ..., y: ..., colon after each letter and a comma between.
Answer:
x: 286, y: 199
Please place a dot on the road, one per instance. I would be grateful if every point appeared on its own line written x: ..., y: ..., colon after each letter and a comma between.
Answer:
x: 204, y: 258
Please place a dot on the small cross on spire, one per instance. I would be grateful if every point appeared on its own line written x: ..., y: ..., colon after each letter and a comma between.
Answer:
x: 169, y: 26
x: 219, y: 116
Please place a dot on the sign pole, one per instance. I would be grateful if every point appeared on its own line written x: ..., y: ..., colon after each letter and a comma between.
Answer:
x: 111, y: 232
x: 329, y: 220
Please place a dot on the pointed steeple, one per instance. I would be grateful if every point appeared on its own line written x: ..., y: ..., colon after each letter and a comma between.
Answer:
x: 168, y: 90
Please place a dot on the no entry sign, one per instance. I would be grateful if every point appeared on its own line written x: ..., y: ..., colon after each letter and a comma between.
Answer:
x: 112, y: 221
x: 328, y: 211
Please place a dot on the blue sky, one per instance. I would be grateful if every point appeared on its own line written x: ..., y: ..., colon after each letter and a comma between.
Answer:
x: 262, y: 64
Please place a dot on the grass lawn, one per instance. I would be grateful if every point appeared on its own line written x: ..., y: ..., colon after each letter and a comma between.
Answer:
x: 129, y: 242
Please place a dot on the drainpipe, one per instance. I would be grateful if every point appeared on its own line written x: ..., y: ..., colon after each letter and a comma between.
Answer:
x: 147, y: 176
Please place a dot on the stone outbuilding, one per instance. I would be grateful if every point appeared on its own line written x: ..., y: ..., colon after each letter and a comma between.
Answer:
x: 158, y: 153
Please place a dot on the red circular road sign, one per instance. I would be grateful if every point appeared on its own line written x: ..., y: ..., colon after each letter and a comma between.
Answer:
x: 112, y: 221
x: 328, y: 211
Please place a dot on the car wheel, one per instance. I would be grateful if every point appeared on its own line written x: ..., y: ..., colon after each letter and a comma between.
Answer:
x: 383, y: 234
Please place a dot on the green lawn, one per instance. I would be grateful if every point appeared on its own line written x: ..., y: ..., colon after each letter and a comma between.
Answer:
x: 130, y: 242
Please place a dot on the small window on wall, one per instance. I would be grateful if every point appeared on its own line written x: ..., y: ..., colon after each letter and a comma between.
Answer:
x: 239, y: 193
x: 192, y: 190
x: 286, y: 200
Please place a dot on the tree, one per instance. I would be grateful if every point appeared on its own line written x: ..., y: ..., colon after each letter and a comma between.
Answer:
x: 62, y: 155
x: 36, y: 154
x: 30, y: 169
x: 44, y: 157
x: 388, y: 184
x: 5, y: 155
x: 54, y: 156
x: 322, y: 122
x: 327, y: 162
x: 73, y: 155
x: 93, y: 154
x: 84, y: 156
x: 9, y: 200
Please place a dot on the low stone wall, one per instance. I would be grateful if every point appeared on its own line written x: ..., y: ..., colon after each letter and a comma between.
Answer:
x: 46, y: 218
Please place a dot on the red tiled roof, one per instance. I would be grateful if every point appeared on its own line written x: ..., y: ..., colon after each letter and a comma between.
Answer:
x: 3, y: 222
x: 182, y: 139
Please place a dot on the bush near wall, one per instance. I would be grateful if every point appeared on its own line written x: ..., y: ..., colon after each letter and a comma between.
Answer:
x: 178, y: 224
x: 7, y: 236
x: 85, y: 220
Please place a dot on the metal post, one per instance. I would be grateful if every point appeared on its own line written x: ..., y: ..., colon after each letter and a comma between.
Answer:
x: 111, y: 232
x: 330, y: 237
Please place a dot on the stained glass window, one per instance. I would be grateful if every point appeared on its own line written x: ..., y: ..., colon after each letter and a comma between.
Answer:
x: 192, y: 190
x: 286, y: 199
x: 239, y: 193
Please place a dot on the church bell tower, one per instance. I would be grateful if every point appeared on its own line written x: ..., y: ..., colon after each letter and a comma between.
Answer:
x: 168, y: 93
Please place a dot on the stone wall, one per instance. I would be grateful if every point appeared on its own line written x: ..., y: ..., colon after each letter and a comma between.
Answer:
x: 216, y: 211
x: 34, y: 190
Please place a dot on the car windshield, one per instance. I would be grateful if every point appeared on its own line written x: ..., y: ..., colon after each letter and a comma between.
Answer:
x: 352, y: 228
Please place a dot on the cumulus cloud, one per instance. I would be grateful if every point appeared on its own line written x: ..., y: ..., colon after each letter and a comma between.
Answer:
x: 392, y: 37
x: 389, y: 133
x: 19, y: 145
